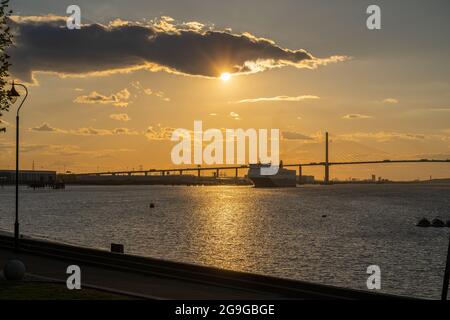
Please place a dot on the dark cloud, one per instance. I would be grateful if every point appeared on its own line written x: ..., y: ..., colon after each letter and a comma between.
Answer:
x: 45, y: 44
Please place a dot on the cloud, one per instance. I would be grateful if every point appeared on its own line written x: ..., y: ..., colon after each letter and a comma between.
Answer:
x: 290, y: 135
x: 159, y: 132
x: 7, y: 147
x: 44, y: 128
x: 436, y: 156
x: 279, y: 98
x: 124, y: 131
x: 432, y: 109
x: 120, y: 117
x: 161, y: 95
x: 119, y: 99
x: 44, y: 44
x: 235, y: 115
x: 103, y: 132
x: 439, y: 109
x: 140, y: 89
x: 59, y: 150
x: 73, y: 150
x: 390, y: 101
x: 89, y: 131
x: 383, y: 136
x: 356, y: 116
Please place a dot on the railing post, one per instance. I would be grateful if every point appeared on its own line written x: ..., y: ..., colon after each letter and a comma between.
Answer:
x: 300, y: 173
x: 446, y: 275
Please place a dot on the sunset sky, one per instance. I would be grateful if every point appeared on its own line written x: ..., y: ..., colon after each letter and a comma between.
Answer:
x: 107, y: 96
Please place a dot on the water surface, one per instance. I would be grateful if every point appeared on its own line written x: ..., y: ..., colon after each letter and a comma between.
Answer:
x: 279, y: 232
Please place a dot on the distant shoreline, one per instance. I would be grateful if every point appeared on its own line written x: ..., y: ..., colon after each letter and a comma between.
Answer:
x: 241, y: 181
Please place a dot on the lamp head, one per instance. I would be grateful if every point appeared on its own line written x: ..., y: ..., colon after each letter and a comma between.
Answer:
x: 13, y: 94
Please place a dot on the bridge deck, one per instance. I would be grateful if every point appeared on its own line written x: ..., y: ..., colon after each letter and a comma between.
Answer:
x: 212, y: 168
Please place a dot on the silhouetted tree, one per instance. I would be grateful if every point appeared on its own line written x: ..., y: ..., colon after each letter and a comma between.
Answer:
x: 5, y: 42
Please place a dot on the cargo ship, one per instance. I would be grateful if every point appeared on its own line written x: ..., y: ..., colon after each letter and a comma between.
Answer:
x: 284, y: 178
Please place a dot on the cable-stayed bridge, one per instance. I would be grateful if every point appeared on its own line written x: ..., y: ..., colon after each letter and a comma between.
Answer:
x: 326, y: 164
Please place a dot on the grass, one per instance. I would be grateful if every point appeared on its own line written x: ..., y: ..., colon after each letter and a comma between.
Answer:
x: 52, y: 291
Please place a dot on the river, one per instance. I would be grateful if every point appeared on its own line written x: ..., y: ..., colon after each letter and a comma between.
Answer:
x: 278, y: 232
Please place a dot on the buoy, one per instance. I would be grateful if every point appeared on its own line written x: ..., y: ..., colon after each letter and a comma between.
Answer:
x: 152, y: 205
x: 437, y: 223
x: 423, y: 223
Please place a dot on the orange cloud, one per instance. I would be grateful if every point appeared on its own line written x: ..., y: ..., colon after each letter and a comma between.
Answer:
x: 279, y: 98
x: 119, y: 99
x: 120, y: 117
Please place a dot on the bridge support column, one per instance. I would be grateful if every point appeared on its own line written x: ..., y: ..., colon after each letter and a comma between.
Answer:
x: 181, y: 172
x: 300, y: 174
x: 236, y: 173
x: 217, y: 173
x: 198, y: 172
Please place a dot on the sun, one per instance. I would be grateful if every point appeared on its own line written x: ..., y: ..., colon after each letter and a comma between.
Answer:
x: 225, y: 76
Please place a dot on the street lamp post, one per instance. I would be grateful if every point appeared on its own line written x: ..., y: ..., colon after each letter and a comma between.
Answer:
x: 13, y: 95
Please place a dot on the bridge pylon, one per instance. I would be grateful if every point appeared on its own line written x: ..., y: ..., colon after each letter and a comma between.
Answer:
x: 326, y: 179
